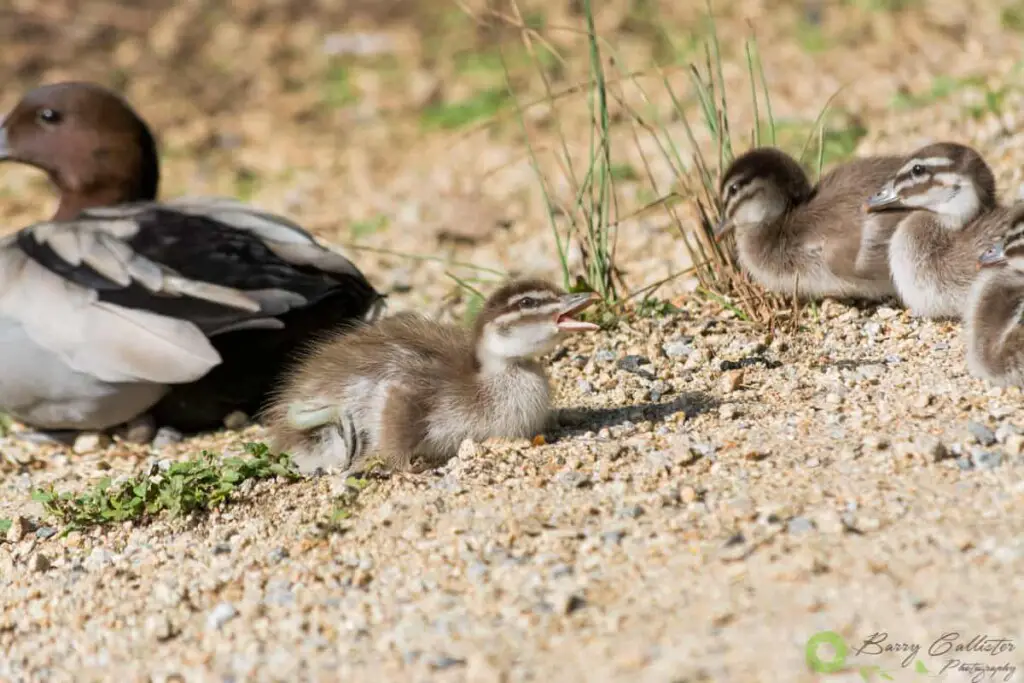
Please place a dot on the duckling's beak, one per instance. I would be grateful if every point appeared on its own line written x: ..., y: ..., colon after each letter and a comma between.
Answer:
x: 885, y: 197
x: 722, y: 226
x: 569, y: 305
x: 993, y: 256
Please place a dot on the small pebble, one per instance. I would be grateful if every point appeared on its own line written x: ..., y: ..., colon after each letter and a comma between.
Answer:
x: 19, y: 527
x: 1015, y: 444
x: 1005, y: 431
x: 633, y: 363
x: 677, y: 349
x: 986, y: 460
x: 568, y: 602
x: 573, y: 479
x: 236, y: 420
x: 731, y: 381
x: 923, y: 401
x: 138, y: 431
x: 98, y: 558
x: 604, y: 356
x: 45, y: 532
x: 468, y: 450
x: 40, y: 563
x: 584, y: 387
x: 799, y: 525
x: 613, y: 537
x: 829, y: 522
x: 220, y: 615
x: 631, y: 511
x: 981, y: 433
x: 89, y: 442
x: 159, y: 627
x: 165, y: 436
x: 442, y: 662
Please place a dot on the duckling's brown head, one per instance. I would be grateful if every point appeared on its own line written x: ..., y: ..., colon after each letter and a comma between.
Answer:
x: 945, y: 178
x: 89, y: 141
x: 759, y: 186
x: 526, y: 318
x: 1008, y: 252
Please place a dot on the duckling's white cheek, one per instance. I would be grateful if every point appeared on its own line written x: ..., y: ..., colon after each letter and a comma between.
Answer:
x: 502, y: 344
x: 963, y: 204
x: 764, y: 207
x: 521, y: 341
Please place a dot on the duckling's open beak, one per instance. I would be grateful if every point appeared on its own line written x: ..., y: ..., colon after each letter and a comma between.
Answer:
x: 993, y: 256
x: 572, y: 304
x: 886, y: 197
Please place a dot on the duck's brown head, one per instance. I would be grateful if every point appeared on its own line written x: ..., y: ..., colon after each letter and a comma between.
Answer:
x: 759, y: 186
x: 526, y: 318
x: 88, y: 140
x: 945, y: 178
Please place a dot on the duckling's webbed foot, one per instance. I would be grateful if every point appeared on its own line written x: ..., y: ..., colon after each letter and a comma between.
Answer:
x: 309, y: 415
x: 336, y: 442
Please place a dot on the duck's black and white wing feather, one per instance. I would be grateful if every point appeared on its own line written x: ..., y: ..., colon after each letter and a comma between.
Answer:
x: 133, y: 292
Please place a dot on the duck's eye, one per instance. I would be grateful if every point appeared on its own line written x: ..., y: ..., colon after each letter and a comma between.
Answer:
x: 733, y: 188
x: 50, y: 116
x: 917, y: 170
x: 528, y: 302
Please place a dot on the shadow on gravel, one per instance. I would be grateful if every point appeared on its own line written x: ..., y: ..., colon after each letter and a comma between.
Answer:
x: 575, y: 421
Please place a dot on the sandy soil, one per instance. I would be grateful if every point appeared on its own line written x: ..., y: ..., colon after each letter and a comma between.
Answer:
x: 713, y: 496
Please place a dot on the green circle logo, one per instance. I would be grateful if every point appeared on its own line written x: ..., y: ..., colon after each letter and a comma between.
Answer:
x: 826, y: 666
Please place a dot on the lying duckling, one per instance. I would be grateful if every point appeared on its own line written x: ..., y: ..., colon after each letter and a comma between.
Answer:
x: 411, y: 389
x: 811, y: 241
x: 121, y: 304
x: 994, y: 314
x: 955, y: 217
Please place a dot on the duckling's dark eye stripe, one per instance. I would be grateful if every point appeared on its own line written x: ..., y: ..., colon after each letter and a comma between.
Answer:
x: 740, y: 197
x: 909, y: 182
x: 927, y: 161
x: 516, y: 316
x: 1013, y: 250
x: 540, y: 295
x: 1015, y: 234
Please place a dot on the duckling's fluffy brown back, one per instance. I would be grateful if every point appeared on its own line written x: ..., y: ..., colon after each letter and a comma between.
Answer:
x: 993, y: 329
x: 411, y: 388
x: 824, y: 245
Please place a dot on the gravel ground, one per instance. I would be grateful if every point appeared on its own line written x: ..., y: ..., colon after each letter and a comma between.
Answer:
x: 711, y: 498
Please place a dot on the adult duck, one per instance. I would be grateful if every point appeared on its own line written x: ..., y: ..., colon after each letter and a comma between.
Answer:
x: 122, y: 307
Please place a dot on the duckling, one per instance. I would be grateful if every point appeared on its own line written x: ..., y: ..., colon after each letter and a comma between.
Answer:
x: 954, y: 217
x: 812, y: 241
x: 188, y: 309
x: 994, y: 314
x: 409, y: 390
